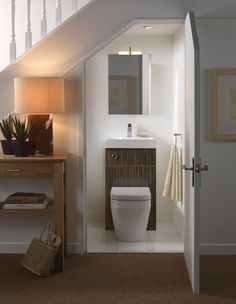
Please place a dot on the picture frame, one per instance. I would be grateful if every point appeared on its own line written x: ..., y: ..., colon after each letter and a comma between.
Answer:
x: 121, y: 94
x: 223, y: 103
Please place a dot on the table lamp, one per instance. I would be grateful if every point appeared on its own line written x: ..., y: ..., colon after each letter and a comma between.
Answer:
x: 39, y: 97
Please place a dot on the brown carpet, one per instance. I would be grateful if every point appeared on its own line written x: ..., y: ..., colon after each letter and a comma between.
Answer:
x: 119, y: 278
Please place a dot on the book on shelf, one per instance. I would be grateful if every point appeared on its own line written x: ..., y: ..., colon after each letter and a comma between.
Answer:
x: 26, y: 200
x: 43, y: 205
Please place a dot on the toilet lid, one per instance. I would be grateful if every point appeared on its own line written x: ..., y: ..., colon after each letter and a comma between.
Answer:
x: 130, y: 193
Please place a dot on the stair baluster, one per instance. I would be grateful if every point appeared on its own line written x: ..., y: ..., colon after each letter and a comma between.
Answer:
x: 28, y: 33
x: 13, y: 35
x: 58, y: 12
x: 70, y: 7
x: 74, y: 6
x: 44, y: 19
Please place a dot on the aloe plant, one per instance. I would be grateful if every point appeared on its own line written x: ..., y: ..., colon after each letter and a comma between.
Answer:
x: 6, y: 126
x: 21, y: 130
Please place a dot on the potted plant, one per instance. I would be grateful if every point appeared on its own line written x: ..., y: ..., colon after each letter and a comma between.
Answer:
x: 21, y: 131
x: 6, y: 126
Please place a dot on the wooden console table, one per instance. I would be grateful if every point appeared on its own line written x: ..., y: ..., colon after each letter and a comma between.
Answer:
x: 42, y: 167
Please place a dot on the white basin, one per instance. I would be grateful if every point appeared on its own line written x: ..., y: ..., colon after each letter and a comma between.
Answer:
x: 130, y: 142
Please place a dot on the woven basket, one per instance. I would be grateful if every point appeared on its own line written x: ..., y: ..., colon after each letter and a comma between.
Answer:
x: 41, y: 253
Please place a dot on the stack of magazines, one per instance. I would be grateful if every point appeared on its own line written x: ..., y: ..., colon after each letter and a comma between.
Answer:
x: 26, y: 200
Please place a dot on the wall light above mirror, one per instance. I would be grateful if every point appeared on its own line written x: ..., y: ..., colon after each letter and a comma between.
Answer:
x: 129, y: 78
x: 130, y: 52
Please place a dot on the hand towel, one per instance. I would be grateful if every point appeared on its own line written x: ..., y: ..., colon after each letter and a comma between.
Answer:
x: 173, y: 187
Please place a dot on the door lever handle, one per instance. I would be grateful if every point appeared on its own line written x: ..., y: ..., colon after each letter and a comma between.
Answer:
x: 196, y: 168
x: 184, y: 167
x: 199, y: 169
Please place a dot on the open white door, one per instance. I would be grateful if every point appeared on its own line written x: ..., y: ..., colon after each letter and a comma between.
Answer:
x: 192, y: 153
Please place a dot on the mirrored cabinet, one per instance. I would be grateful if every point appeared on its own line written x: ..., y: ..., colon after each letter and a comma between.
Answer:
x: 129, y: 78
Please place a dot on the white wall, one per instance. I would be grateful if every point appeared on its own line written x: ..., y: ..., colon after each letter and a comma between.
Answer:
x: 218, y: 192
x: 100, y: 125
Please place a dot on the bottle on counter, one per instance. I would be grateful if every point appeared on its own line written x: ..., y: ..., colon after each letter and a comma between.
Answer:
x: 129, y: 131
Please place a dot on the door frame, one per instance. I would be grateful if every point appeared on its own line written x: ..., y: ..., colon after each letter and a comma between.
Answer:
x: 85, y: 184
x: 84, y: 142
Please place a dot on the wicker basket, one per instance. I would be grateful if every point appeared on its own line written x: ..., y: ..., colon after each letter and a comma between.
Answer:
x: 41, y: 253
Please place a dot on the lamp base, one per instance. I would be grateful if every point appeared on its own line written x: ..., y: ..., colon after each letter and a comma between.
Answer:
x: 42, y: 133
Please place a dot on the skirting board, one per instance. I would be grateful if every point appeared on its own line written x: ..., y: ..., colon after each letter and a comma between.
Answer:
x: 75, y: 247
x: 217, y: 249
x: 15, y: 248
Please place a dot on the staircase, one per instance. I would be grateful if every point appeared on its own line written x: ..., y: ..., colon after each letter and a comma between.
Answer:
x: 24, y: 22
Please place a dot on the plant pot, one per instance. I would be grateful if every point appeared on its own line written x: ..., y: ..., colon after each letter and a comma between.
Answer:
x: 24, y: 148
x: 7, y: 148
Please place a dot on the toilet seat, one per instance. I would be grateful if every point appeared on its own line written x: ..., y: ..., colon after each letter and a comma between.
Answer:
x: 130, y: 193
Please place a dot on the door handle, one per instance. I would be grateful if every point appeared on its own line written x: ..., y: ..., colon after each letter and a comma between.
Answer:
x: 187, y: 168
x: 184, y: 167
x: 199, y: 169
x: 196, y: 168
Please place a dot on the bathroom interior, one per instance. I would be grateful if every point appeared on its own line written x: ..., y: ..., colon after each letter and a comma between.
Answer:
x: 162, y: 116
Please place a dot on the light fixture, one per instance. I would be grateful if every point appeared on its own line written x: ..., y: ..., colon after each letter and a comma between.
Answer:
x: 38, y: 97
x: 130, y: 52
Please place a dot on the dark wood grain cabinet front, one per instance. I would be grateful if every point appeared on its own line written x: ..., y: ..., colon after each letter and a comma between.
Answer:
x: 114, y: 157
x: 130, y: 168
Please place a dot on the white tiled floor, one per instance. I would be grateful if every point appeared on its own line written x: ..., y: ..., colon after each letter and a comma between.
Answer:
x: 164, y: 239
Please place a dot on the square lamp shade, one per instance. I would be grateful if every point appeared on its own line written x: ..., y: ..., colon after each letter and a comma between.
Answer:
x: 38, y: 97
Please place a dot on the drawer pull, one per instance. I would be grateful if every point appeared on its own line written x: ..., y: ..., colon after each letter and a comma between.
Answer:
x: 14, y: 170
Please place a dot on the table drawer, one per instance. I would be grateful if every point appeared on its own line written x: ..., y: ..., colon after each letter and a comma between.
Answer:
x: 26, y: 170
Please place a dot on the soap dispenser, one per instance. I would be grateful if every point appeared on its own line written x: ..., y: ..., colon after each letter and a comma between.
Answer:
x: 129, y: 131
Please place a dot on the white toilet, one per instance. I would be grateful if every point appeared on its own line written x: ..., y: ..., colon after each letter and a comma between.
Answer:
x: 130, y: 208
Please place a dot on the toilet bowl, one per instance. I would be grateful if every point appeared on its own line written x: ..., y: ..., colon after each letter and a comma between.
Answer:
x: 130, y: 208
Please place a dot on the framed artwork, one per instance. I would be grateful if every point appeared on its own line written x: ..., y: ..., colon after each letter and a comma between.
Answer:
x: 223, y: 103
x: 121, y: 94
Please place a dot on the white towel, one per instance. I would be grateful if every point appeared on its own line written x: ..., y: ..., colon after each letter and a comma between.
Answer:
x: 173, y: 187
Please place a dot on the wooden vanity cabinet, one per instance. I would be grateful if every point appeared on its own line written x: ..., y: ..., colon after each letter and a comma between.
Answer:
x: 130, y: 168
